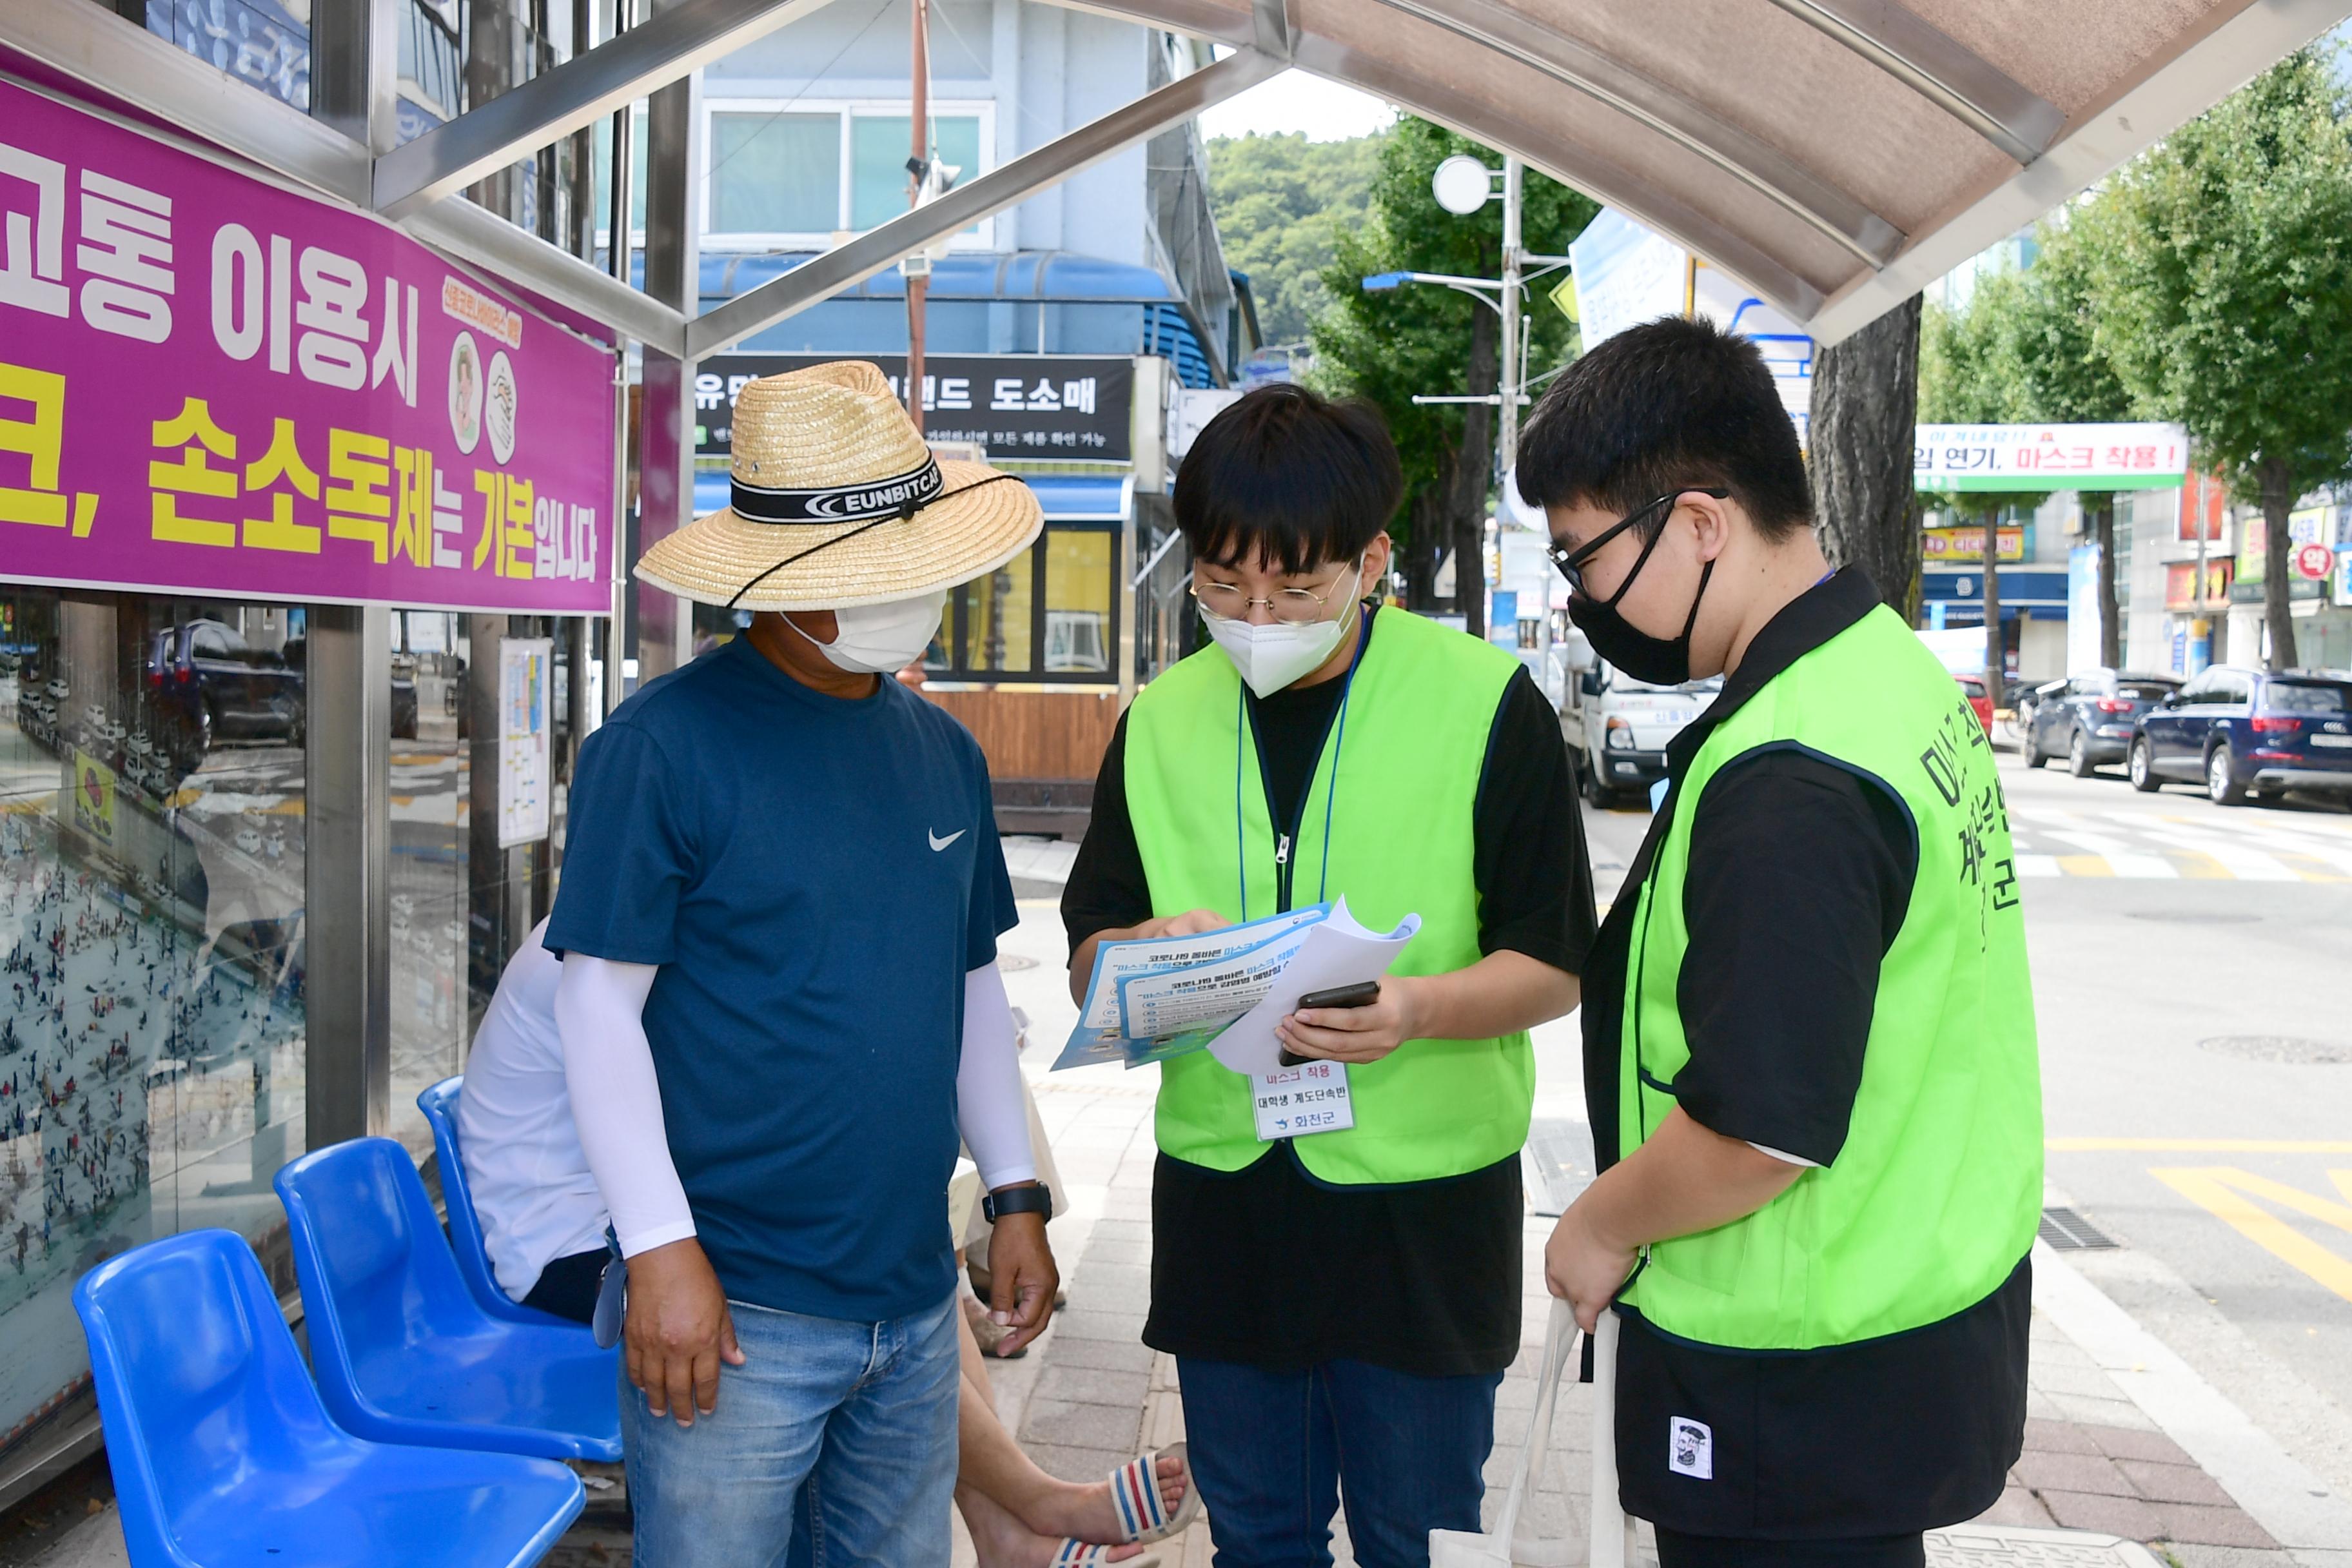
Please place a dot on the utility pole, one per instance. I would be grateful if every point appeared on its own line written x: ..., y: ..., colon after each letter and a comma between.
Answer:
x: 916, y: 269
x: 1513, y: 372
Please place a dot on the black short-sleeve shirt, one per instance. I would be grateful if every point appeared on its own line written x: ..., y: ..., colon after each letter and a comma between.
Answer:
x: 1423, y: 1277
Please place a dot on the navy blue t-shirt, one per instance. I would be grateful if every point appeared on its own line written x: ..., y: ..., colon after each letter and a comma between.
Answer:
x: 814, y: 875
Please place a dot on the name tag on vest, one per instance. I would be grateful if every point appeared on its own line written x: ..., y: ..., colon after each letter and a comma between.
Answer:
x: 1293, y: 1101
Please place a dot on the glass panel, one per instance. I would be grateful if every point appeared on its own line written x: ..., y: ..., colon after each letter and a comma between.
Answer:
x: 152, y: 1012
x: 996, y: 618
x: 878, y: 145
x: 431, y: 789
x: 604, y: 171
x: 775, y: 173
x: 1078, y: 600
x: 2306, y: 697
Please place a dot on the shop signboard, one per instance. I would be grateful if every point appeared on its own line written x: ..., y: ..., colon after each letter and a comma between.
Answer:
x: 2049, y: 456
x: 212, y: 384
x: 2305, y: 527
x: 2180, y: 584
x: 1035, y: 407
x: 1966, y: 544
x: 2204, y: 506
x: 2314, y: 561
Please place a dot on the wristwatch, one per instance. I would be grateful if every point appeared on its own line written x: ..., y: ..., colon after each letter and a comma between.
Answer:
x: 1037, y: 1199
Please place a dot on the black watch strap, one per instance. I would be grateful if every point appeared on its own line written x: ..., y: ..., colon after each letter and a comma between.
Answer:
x: 1038, y: 1199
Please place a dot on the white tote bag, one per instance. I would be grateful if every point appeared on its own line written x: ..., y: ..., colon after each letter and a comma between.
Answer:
x: 1611, y: 1542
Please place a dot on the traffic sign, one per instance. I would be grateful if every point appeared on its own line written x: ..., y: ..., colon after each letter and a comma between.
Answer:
x: 2314, y: 560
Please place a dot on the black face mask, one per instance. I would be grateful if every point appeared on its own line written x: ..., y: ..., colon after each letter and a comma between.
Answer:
x: 1657, y: 661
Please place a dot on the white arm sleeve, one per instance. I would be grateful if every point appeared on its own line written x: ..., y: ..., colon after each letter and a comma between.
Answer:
x: 617, y: 1102
x: 988, y: 1109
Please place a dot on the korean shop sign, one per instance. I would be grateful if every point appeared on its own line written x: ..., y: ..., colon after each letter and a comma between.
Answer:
x: 1032, y: 406
x: 2049, y: 456
x: 213, y: 384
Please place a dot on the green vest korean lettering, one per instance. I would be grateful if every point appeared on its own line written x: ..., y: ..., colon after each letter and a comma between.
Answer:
x: 1400, y: 809
x: 1937, y: 1193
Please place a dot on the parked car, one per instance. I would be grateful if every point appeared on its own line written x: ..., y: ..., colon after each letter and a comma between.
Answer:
x: 1973, y: 686
x: 2239, y: 731
x: 1618, y: 727
x: 2089, y: 720
x: 216, y: 686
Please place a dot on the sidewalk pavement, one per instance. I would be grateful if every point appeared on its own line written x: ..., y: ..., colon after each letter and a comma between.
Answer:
x: 2101, y: 1481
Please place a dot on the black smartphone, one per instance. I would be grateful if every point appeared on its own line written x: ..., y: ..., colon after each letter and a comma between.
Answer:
x: 1364, y: 993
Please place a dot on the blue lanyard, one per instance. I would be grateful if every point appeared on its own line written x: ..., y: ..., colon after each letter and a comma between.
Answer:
x: 1330, y: 792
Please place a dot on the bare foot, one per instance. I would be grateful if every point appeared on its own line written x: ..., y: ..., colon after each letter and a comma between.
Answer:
x: 1001, y: 1541
x: 1087, y: 1511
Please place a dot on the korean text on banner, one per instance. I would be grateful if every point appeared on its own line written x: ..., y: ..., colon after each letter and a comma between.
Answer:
x: 211, y: 384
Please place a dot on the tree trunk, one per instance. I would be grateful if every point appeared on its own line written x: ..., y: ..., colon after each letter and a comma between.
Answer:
x: 1865, y: 418
x: 1996, y: 668
x: 2278, y: 498
x: 2102, y: 508
x: 1466, y: 480
x: 1425, y: 547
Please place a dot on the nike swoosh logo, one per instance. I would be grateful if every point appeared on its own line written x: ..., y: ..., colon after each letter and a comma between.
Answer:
x: 938, y: 843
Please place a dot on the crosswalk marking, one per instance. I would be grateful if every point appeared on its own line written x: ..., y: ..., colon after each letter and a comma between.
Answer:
x: 2127, y: 846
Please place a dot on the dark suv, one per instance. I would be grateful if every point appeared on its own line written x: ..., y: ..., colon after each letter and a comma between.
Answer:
x: 217, y: 687
x: 2089, y: 719
x: 2239, y: 731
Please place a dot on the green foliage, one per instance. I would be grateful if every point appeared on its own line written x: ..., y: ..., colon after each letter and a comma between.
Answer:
x: 1279, y: 201
x: 1388, y: 345
x: 2223, y: 280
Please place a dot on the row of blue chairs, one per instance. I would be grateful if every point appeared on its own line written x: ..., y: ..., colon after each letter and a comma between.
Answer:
x: 430, y: 1428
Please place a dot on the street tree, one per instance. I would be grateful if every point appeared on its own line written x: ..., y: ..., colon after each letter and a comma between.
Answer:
x: 1864, y: 414
x: 2223, y: 295
x: 1388, y: 345
x: 1280, y: 201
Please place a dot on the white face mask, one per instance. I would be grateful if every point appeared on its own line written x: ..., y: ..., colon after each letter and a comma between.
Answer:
x: 881, y: 639
x: 1271, y: 657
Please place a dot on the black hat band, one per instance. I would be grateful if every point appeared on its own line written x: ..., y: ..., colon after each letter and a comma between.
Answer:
x: 900, y: 496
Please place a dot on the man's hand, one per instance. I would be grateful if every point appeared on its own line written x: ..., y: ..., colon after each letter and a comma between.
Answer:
x: 1584, y: 1268
x: 1021, y: 1279
x: 1358, y: 1034
x: 678, y: 1330
x: 1192, y: 923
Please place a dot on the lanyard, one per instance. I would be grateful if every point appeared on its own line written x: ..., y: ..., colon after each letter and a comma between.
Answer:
x: 1283, y: 843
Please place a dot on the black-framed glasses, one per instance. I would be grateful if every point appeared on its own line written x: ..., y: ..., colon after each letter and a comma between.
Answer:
x: 1572, y: 561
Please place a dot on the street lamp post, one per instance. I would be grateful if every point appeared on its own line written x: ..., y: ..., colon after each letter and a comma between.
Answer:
x: 1507, y: 444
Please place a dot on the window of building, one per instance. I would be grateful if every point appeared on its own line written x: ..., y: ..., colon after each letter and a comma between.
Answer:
x: 775, y: 173
x: 997, y: 628
x: 796, y: 172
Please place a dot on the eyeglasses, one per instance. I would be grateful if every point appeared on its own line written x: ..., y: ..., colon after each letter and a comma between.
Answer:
x: 1295, y: 605
x: 1572, y: 561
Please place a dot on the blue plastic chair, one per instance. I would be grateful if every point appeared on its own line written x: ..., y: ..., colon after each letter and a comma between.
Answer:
x: 222, y: 1453
x: 439, y: 1104
x: 403, y: 1351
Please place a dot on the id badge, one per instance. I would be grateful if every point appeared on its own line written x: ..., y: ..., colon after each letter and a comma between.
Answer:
x: 1292, y: 1102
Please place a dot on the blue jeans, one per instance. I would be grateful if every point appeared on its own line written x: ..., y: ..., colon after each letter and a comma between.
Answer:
x: 1274, y: 1451
x: 861, y: 1416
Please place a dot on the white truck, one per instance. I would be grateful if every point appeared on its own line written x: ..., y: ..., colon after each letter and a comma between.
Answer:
x: 1618, y: 727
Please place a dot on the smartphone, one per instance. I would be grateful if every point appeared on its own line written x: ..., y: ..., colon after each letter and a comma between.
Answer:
x: 1364, y: 993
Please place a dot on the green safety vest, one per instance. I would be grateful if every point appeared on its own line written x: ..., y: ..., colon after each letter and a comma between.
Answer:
x: 1937, y: 1192
x: 1409, y: 745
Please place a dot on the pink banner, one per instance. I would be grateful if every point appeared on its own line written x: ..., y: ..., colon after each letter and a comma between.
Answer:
x: 213, y: 384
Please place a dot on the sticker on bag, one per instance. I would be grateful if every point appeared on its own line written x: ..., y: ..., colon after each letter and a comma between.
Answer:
x: 1690, y: 1449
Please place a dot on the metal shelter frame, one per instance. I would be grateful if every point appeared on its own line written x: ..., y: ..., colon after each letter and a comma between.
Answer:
x: 1837, y: 156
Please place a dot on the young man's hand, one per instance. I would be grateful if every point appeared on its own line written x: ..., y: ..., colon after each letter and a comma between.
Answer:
x: 1192, y: 923
x: 1022, y: 1279
x: 1363, y: 1034
x: 678, y: 1330
x: 1583, y: 1269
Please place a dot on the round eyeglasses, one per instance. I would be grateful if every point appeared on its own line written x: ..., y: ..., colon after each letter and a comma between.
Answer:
x: 1296, y: 605
x: 1572, y: 561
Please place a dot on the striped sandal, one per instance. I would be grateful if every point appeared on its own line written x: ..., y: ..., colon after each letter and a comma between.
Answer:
x: 1135, y: 1492
x: 1076, y: 1553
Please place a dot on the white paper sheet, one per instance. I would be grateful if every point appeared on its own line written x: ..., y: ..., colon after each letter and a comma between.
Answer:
x: 1337, y: 952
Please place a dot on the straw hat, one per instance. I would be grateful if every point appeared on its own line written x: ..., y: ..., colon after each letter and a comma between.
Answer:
x: 837, y: 502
